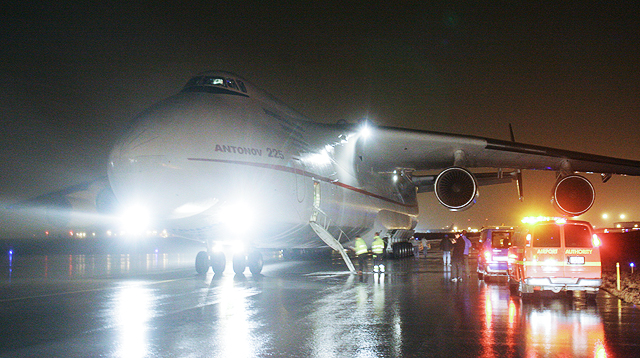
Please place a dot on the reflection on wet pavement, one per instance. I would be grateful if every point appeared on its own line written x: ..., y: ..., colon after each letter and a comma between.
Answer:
x: 153, y: 305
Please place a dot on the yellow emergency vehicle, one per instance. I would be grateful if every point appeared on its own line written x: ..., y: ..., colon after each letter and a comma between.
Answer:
x: 556, y: 255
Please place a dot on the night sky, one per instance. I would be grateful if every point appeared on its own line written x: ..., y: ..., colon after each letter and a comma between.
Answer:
x: 566, y: 75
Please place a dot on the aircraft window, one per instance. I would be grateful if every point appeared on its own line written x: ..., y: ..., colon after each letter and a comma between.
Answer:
x: 216, y: 84
x: 242, y: 87
x: 546, y: 236
x: 231, y: 83
x: 213, y: 81
x: 193, y: 82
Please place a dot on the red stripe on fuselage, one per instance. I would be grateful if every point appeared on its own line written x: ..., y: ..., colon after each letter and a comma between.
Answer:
x: 283, y: 168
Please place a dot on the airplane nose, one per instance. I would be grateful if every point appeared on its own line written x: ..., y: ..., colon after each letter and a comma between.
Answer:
x: 136, y: 166
x: 148, y: 165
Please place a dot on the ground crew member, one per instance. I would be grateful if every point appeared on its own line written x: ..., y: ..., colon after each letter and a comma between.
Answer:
x: 378, y: 249
x: 467, y: 246
x: 361, y: 250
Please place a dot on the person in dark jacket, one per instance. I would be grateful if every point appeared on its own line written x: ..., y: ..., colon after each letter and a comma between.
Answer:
x: 446, y: 246
x: 457, y: 257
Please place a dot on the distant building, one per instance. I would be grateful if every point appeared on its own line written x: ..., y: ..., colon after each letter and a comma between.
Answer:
x: 627, y: 225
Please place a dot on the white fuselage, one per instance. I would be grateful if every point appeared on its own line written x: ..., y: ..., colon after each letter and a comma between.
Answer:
x: 224, y: 164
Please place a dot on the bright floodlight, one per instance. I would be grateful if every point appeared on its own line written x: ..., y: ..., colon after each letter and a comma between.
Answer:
x: 135, y: 219
x: 238, y: 217
x: 365, y: 130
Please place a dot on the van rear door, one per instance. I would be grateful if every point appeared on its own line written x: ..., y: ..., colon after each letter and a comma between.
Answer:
x: 544, y: 259
x: 581, y: 259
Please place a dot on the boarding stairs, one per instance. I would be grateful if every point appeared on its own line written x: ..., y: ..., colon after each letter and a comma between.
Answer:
x: 322, y: 231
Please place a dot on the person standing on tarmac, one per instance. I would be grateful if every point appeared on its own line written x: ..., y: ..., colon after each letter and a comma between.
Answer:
x: 378, y: 249
x: 361, y: 250
x: 457, y: 257
x: 467, y: 246
x: 416, y: 247
x: 425, y: 247
x: 446, y: 246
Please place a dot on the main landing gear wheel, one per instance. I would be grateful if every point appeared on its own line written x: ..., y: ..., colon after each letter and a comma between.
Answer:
x: 218, y: 262
x: 255, y: 262
x: 202, y: 262
x: 239, y: 263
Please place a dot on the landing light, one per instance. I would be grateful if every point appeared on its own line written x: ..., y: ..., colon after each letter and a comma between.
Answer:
x: 365, y: 130
x: 238, y: 248
x: 238, y: 217
x: 135, y: 219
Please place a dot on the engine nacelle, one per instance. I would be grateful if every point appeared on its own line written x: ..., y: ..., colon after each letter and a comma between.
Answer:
x: 456, y: 188
x: 573, y: 195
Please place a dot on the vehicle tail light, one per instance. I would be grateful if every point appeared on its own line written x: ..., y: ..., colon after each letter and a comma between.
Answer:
x: 487, y: 256
x: 596, y: 241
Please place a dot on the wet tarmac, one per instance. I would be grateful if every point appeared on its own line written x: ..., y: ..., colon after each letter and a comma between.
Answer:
x: 154, y: 305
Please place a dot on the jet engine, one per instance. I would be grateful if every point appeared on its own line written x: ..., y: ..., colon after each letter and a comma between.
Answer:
x: 456, y: 188
x: 573, y: 195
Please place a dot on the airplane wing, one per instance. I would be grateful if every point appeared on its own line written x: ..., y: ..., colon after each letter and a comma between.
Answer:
x: 84, y: 203
x: 389, y: 149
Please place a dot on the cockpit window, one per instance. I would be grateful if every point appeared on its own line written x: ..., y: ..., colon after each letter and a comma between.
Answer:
x: 213, y: 81
x: 215, y: 84
x: 242, y: 87
x: 231, y: 84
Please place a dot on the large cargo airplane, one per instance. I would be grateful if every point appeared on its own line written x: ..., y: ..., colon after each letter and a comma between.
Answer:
x: 225, y: 163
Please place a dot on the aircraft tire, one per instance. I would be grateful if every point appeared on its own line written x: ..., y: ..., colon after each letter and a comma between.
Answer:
x: 255, y: 262
x: 218, y: 262
x: 202, y: 262
x: 239, y: 263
